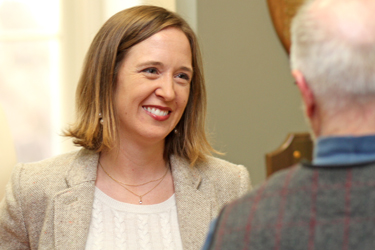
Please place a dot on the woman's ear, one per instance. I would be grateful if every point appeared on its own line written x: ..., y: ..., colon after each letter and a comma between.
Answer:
x: 306, y: 93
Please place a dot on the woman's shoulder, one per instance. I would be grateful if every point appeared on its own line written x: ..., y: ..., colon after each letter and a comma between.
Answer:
x: 52, y: 165
x: 230, y: 180
x: 226, y: 174
x: 50, y: 172
x: 214, y: 165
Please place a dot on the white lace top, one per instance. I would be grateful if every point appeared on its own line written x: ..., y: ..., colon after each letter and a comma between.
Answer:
x: 118, y: 225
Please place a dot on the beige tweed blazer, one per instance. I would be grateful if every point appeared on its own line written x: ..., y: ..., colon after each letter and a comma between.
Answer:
x: 48, y: 204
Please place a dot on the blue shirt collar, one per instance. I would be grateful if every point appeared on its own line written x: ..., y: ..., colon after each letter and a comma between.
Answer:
x: 344, y: 150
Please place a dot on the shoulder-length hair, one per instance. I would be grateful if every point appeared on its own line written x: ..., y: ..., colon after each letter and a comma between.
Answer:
x: 97, y: 85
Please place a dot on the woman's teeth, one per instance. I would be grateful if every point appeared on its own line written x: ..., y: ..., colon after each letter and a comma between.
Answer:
x: 156, y: 111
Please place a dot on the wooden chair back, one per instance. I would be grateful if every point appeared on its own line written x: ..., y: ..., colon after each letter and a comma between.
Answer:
x: 297, y: 146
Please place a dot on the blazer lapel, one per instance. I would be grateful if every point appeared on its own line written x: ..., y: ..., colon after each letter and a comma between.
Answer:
x: 194, y: 205
x: 73, y: 206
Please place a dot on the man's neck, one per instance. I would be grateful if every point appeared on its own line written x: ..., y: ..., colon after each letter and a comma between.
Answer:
x: 351, y: 121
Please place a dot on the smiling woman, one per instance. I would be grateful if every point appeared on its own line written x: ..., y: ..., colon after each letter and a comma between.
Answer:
x: 141, y: 105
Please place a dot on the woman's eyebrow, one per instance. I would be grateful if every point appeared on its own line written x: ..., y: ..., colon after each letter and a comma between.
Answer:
x: 150, y: 63
x: 187, y: 69
x: 156, y: 63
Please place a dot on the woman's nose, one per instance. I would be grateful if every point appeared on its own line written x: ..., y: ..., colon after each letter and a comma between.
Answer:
x: 166, y: 89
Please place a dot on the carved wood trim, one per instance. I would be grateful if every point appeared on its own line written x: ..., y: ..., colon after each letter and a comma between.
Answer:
x: 282, y: 12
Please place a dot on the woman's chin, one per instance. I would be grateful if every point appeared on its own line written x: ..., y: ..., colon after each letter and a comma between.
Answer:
x: 154, y: 136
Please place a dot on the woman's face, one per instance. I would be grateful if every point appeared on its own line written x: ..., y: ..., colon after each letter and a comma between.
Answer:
x: 153, y: 86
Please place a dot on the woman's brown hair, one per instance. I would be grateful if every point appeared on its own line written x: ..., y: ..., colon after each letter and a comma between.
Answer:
x: 96, y: 87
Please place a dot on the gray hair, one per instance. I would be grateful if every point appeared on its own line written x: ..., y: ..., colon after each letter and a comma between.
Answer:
x: 338, y: 69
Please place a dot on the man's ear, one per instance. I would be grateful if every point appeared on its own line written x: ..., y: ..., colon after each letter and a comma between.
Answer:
x: 306, y: 93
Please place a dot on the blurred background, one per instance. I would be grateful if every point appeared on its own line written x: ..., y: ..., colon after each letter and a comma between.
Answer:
x: 252, y: 101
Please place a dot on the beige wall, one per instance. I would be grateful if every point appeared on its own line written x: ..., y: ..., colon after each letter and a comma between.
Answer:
x: 252, y: 101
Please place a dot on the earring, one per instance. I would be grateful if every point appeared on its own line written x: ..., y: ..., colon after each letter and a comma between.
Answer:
x: 101, y: 119
x: 175, y: 131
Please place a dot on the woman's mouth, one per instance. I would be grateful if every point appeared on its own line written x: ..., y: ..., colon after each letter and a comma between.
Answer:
x: 157, y: 113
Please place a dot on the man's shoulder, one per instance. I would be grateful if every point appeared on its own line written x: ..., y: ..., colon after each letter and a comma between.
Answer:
x: 297, y: 183
x: 256, y: 210
x: 272, y: 188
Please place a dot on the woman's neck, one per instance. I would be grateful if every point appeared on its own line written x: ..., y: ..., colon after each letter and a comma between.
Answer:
x: 133, y: 164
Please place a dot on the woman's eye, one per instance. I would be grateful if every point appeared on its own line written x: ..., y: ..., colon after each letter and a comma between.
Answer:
x: 150, y: 70
x: 184, y: 76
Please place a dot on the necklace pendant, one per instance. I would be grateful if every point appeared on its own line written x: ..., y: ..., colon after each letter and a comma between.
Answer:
x: 140, y: 200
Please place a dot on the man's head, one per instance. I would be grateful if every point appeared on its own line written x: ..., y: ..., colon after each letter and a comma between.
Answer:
x: 333, y: 56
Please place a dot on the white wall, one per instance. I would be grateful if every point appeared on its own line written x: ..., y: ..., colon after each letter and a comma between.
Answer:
x: 7, y: 153
x: 81, y: 19
x: 168, y: 4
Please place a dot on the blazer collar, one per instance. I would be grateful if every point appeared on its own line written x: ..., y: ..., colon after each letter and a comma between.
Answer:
x: 73, y: 206
x: 194, y: 203
x: 83, y: 168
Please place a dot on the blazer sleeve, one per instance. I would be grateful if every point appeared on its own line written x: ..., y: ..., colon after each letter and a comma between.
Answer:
x: 13, y: 234
x: 245, y: 181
